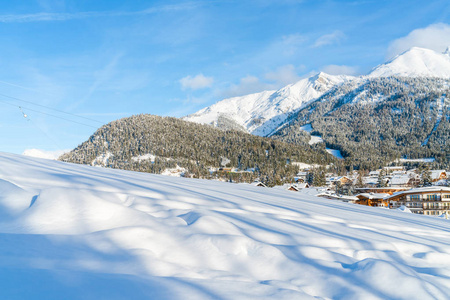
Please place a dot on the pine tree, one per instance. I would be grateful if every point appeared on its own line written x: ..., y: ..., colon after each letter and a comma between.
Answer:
x: 426, y: 177
x: 319, y: 177
x: 360, y: 180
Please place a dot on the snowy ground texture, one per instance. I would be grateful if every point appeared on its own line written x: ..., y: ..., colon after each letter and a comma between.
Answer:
x: 78, y: 232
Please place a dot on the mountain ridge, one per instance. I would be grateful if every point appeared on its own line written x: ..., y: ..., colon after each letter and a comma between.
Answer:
x: 263, y: 113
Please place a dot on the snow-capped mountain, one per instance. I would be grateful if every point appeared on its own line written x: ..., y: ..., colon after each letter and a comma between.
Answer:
x: 416, y: 62
x: 262, y: 113
x: 375, y: 120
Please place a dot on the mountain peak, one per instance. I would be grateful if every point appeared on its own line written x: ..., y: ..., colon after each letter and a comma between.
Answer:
x: 262, y: 113
x: 416, y: 62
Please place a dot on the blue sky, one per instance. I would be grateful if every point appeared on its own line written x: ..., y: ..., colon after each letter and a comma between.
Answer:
x: 103, y: 60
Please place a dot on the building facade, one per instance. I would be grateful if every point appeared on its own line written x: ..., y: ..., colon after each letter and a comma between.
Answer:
x: 432, y: 201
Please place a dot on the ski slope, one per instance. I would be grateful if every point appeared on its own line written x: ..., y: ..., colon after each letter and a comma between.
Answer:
x: 78, y: 232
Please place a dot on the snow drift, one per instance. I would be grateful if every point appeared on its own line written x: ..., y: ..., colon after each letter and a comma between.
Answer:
x: 78, y: 232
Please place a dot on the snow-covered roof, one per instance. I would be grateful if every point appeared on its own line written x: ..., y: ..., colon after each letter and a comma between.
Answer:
x: 424, y: 190
x: 398, y: 172
x: 435, y: 174
x: 338, y: 197
x: 373, y: 196
x: 399, y: 179
x: 370, y: 180
x: 258, y: 183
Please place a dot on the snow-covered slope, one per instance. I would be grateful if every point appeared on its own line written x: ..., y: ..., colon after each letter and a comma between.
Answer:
x: 78, y: 232
x: 262, y: 113
x: 416, y: 62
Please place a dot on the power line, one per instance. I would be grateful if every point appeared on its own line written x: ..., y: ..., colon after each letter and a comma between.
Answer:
x: 49, y: 108
x: 47, y: 114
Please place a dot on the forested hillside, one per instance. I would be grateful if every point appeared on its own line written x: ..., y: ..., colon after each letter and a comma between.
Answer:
x: 375, y: 121
x: 197, y: 148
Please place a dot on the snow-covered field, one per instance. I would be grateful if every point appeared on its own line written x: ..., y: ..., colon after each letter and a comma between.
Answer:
x: 78, y: 232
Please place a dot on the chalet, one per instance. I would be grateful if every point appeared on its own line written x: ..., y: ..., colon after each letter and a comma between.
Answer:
x: 370, y: 180
x: 301, y: 177
x: 437, y: 175
x: 342, y: 180
x: 259, y: 183
x: 304, y: 185
x: 373, y: 199
x: 404, y: 180
x: 426, y: 200
x: 293, y: 188
x: 298, y: 187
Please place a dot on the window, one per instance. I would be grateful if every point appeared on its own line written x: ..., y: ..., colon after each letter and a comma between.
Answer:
x: 433, y: 197
x: 414, y: 197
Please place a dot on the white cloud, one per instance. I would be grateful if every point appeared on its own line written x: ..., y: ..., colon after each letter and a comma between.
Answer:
x: 247, y: 85
x: 340, y: 70
x: 44, y: 154
x: 283, y: 75
x: 197, y: 82
x: 290, y: 43
x: 435, y: 37
x: 272, y: 80
x: 329, y: 39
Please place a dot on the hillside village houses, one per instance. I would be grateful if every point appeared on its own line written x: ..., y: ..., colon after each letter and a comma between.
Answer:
x: 421, y: 192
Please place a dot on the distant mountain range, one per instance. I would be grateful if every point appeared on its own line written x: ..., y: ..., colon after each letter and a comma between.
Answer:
x: 406, y: 97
